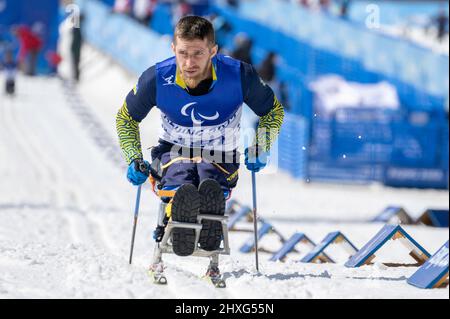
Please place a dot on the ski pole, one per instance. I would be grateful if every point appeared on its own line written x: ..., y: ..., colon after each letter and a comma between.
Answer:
x: 255, y: 223
x: 136, y: 212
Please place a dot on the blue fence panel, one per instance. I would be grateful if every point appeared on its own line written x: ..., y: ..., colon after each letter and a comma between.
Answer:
x: 116, y: 35
x: 416, y: 177
x: 415, y: 145
x: 293, y: 144
x: 396, y: 12
x: 10, y: 12
x: 162, y: 19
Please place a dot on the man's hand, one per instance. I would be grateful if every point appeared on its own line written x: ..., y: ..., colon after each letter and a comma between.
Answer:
x: 138, y: 172
x: 255, y: 160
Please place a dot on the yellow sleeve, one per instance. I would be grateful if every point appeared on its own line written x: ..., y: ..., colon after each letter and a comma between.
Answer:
x: 129, y: 135
x: 269, y: 126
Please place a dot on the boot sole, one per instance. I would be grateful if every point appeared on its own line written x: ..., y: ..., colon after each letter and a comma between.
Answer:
x: 212, y: 202
x: 185, y: 208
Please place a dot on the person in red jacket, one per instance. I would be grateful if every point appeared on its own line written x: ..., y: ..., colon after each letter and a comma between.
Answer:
x: 30, y: 45
x: 53, y: 60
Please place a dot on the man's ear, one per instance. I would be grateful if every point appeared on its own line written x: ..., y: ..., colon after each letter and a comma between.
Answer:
x: 173, y: 47
x: 214, y: 50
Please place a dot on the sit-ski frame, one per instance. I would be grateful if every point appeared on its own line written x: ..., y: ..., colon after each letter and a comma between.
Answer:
x: 165, y: 246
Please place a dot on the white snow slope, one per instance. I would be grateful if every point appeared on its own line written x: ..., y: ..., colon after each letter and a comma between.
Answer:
x: 66, y: 212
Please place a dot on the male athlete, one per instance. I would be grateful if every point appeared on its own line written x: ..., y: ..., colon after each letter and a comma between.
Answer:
x: 200, y: 95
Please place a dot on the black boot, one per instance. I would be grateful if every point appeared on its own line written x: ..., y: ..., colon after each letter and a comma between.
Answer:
x: 185, y: 208
x: 212, y: 202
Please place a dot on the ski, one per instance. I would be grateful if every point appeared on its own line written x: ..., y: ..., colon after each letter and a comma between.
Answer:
x: 158, y: 277
x: 217, y: 281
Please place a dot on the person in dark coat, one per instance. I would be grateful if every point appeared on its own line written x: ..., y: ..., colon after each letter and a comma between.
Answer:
x: 9, y: 66
x: 75, y: 48
x: 267, y: 68
x: 243, y: 49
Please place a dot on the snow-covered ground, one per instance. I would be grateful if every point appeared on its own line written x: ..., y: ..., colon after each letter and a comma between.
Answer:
x: 66, y: 212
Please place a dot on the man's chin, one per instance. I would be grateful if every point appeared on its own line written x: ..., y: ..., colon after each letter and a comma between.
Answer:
x: 192, y: 76
x: 192, y: 81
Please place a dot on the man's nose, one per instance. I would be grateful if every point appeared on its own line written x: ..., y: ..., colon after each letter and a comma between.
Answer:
x: 189, y: 62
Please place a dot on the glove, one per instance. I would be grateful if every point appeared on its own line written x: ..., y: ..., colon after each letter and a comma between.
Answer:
x: 138, y: 172
x: 254, y: 160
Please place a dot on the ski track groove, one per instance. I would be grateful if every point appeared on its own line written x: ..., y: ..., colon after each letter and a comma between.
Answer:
x: 49, y: 177
x: 16, y: 148
x: 34, y: 154
x: 47, y: 173
x: 179, y: 277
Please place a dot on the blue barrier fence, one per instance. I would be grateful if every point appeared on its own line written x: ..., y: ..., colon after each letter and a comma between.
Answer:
x: 131, y: 44
x: 381, y: 145
x: 293, y: 145
x: 395, y: 12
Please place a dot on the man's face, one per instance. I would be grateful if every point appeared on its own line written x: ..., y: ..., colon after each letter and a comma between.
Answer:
x: 194, y: 59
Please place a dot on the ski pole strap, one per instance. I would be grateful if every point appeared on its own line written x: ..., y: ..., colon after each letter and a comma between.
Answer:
x: 154, y: 174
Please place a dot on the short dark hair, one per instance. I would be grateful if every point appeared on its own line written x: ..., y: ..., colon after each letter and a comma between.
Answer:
x: 194, y: 27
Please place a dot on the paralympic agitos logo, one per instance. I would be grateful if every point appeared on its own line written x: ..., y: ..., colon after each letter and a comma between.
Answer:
x: 195, y: 115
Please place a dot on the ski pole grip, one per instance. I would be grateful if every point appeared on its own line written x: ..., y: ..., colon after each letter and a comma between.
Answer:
x: 143, y: 167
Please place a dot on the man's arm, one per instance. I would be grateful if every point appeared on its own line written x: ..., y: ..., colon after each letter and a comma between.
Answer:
x: 261, y: 99
x: 129, y: 135
x: 137, y: 105
x: 269, y: 126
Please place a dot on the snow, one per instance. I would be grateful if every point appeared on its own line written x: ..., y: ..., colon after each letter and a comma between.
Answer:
x: 66, y: 212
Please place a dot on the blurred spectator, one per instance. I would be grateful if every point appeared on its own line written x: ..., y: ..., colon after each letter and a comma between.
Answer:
x: 2, y: 39
x: 284, y: 96
x: 75, y: 48
x: 123, y: 6
x: 441, y: 21
x: 180, y: 10
x: 304, y: 3
x: 267, y: 72
x: 10, y: 68
x: 243, y: 48
x: 233, y: 3
x: 267, y: 68
x: 343, y: 11
x: 324, y: 5
x: 53, y: 60
x: 143, y: 10
x: 30, y: 45
x: 222, y: 28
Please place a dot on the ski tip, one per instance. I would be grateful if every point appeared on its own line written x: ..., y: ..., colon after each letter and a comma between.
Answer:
x: 158, y: 279
x: 161, y: 281
x: 220, y: 284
